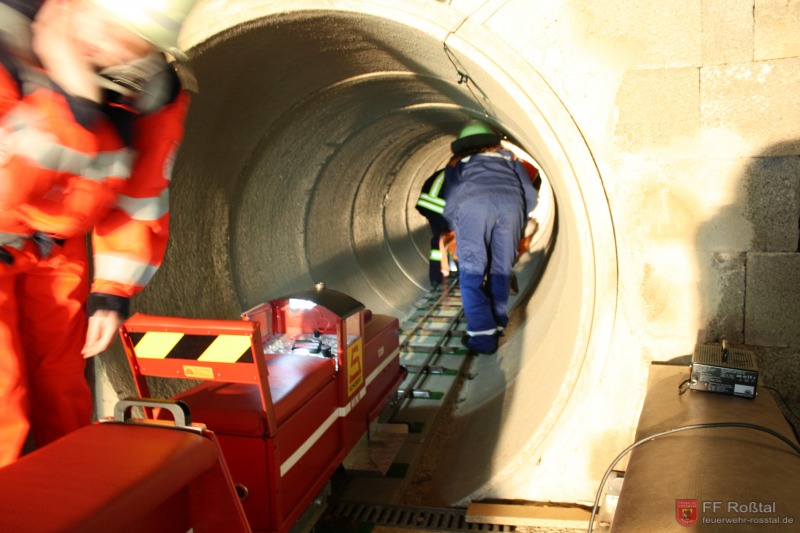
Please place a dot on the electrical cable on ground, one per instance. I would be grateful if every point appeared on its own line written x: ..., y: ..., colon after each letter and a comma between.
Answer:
x: 710, y: 425
x: 788, y: 409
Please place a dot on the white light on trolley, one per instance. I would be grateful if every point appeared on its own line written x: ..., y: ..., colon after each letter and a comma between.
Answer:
x: 296, y: 304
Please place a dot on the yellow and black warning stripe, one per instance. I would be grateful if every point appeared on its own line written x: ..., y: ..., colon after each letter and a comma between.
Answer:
x: 201, y: 348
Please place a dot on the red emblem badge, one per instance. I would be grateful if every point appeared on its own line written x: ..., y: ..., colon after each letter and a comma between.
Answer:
x: 686, y: 512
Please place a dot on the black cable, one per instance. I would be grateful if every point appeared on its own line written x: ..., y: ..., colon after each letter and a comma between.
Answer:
x: 624, y: 452
x: 783, y: 400
x: 463, y: 76
x: 465, y: 79
x: 788, y: 409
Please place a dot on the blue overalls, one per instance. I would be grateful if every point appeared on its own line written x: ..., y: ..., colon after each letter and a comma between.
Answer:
x: 488, y: 198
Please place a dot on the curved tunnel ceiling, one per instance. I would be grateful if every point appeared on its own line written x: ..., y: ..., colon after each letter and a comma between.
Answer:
x: 304, y: 151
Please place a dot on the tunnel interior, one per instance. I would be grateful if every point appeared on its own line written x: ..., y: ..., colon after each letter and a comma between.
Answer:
x: 304, y: 152
x: 333, y: 138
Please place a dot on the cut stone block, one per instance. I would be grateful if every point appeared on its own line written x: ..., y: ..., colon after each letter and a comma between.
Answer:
x: 772, y: 316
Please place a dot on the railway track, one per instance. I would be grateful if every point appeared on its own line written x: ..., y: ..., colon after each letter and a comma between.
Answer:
x: 431, y: 350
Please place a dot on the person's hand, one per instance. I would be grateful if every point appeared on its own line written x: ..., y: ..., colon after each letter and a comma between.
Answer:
x: 56, y: 47
x: 103, y: 327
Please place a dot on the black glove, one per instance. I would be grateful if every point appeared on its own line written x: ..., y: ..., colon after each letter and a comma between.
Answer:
x: 6, y: 257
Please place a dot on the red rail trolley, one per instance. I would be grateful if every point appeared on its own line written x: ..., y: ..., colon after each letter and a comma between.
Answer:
x: 288, y: 391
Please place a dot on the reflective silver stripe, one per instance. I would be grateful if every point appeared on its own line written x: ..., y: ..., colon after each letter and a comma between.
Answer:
x: 13, y: 240
x: 123, y: 269
x: 436, y: 188
x: 151, y: 208
x: 484, y: 332
x: 436, y: 255
x: 43, y: 148
x: 116, y: 164
x: 492, y: 154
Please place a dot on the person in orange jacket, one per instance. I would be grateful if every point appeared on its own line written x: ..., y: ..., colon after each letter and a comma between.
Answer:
x: 91, y: 118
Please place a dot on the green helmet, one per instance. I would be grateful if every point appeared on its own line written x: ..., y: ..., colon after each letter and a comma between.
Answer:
x: 475, y: 135
x: 475, y: 127
x: 156, y: 21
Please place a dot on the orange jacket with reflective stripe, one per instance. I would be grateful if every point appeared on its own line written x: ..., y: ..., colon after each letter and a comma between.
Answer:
x: 65, y: 169
x: 129, y: 243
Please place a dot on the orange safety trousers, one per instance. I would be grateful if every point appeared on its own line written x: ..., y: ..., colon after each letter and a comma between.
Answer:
x: 43, y: 386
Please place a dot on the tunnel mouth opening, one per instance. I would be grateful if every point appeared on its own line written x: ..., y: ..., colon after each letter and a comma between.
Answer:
x: 304, y: 153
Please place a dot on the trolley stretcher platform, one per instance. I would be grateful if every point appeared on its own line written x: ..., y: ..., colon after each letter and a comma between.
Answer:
x: 123, y: 477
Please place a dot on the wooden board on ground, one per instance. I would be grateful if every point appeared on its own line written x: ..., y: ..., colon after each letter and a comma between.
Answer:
x: 551, y: 516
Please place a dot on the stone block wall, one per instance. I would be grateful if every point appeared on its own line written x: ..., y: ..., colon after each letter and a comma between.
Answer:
x: 691, y: 110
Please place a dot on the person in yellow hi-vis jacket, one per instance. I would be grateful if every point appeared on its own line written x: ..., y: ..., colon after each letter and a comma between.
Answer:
x: 431, y: 205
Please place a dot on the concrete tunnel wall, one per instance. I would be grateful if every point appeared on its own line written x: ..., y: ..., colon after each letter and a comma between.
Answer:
x: 317, y: 121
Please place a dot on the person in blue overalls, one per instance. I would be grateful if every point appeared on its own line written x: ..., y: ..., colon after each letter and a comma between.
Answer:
x: 488, y: 199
